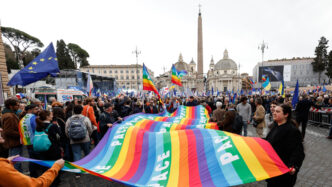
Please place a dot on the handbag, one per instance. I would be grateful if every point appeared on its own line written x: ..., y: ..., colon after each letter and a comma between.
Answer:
x: 41, y: 141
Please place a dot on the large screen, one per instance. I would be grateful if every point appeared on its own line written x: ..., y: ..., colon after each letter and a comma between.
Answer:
x: 275, y: 73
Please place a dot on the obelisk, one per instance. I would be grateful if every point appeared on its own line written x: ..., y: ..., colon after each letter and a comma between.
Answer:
x: 3, y: 67
x: 200, y: 82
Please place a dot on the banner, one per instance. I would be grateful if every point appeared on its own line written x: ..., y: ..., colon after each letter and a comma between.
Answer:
x: 142, y: 151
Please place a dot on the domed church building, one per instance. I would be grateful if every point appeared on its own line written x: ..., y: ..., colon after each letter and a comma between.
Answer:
x: 223, y: 75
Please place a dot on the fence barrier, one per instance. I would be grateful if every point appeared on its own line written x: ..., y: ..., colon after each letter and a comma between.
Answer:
x: 321, y: 117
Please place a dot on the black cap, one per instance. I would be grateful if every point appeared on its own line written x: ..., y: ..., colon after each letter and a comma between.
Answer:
x: 31, y: 106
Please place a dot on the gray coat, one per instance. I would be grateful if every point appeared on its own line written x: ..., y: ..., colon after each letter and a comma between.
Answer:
x: 88, y: 127
x: 244, y: 111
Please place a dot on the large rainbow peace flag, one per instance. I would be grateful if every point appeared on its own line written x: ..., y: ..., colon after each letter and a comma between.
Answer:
x: 152, y: 150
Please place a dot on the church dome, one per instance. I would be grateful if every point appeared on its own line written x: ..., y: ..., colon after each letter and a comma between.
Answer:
x: 192, y: 62
x: 181, y: 65
x: 225, y: 63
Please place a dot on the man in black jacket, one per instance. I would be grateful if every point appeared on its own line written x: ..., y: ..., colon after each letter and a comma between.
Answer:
x: 106, y: 119
x: 302, y: 112
x: 192, y: 101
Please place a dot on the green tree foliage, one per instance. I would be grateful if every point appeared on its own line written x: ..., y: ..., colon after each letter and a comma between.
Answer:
x: 10, y: 58
x: 321, y: 59
x: 329, y: 66
x: 78, y: 55
x: 28, y: 56
x: 62, y: 53
x: 20, y: 41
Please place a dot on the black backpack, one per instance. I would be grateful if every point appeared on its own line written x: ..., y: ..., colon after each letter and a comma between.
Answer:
x: 237, y: 124
x: 77, y: 128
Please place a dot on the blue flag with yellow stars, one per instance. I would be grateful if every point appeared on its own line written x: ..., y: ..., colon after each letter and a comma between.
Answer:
x: 46, y: 63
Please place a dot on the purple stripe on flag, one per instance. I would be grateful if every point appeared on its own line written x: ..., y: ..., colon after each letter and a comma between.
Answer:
x: 204, y: 172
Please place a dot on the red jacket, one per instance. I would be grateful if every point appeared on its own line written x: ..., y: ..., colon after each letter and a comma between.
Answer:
x: 208, y: 108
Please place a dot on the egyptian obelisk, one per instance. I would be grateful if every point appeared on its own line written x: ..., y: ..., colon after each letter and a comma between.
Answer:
x: 200, y: 82
x: 3, y: 67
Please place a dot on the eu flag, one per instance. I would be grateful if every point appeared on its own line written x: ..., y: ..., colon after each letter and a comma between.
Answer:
x: 46, y: 63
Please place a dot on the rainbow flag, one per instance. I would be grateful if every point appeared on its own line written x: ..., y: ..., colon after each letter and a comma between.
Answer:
x: 175, y: 77
x: 251, y: 81
x: 144, y: 152
x: 148, y: 83
x: 26, y: 128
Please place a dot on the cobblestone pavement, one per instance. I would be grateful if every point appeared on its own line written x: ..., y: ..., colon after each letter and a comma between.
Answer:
x: 316, y: 169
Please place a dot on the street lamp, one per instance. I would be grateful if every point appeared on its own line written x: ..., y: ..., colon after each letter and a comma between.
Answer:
x: 136, y: 52
x: 262, y: 47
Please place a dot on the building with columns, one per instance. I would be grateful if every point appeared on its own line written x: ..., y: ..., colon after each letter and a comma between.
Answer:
x: 223, y: 75
x: 188, y: 81
x: 126, y: 76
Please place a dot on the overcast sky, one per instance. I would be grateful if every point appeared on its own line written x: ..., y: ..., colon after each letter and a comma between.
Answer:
x: 110, y: 30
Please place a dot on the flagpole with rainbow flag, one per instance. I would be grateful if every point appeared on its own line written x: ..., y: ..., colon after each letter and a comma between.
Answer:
x: 148, y: 84
x: 176, y: 79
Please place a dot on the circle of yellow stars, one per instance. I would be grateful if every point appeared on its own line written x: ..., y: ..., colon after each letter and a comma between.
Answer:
x: 34, y: 64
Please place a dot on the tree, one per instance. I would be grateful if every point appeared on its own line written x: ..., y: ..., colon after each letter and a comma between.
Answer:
x: 321, y: 59
x: 28, y: 56
x: 79, y: 55
x: 20, y: 41
x: 62, y: 53
x: 329, y: 66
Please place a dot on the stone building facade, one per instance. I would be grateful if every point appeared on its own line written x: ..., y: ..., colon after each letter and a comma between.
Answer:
x: 126, y: 76
x: 188, y: 81
x: 300, y: 69
x: 223, y: 75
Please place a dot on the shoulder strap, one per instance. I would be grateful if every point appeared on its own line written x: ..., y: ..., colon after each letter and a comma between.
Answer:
x: 46, y: 130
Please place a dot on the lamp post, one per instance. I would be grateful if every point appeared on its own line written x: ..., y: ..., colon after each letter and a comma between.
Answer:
x: 262, y: 47
x: 136, y: 52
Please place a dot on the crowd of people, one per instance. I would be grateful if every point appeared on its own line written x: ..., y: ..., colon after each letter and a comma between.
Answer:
x: 78, y: 126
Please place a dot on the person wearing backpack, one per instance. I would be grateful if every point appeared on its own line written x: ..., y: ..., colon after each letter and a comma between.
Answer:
x: 89, y: 112
x: 78, y: 130
x: 46, y: 143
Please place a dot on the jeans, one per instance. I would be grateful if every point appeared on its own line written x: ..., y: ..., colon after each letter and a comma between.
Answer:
x: 245, y: 125
x: 16, y: 151
x: 77, y: 149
